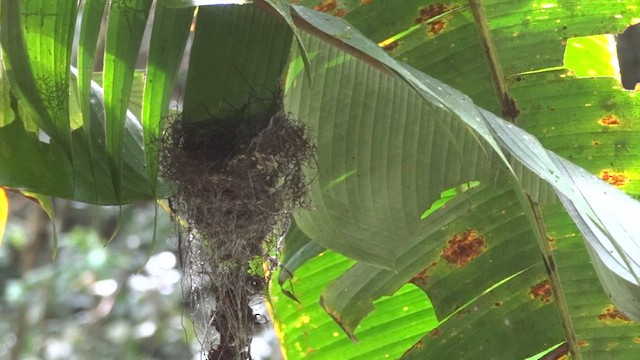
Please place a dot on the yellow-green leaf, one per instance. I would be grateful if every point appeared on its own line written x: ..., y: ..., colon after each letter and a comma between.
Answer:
x: 4, y: 212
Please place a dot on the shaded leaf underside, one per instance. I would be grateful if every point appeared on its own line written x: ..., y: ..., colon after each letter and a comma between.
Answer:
x: 460, y: 70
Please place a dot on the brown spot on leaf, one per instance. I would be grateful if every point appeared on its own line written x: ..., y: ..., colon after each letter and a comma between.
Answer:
x: 435, y: 332
x: 340, y: 12
x: 428, y: 13
x: 431, y: 11
x: 366, y: 2
x: 497, y: 304
x: 559, y: 353
x: 420, y: 278
x: 331, y: 7
x: 614, y: 178
x: 462, y: 313
x: 609, y: 120
x: 436, y: 27
x: 583, y: 343
x: 326, y: 6
x: 612, y: 345
x: 596, y: 142
x: 391, y: 46
x: 542, y: 291
x: 611, y: 313
x: 510, y: 109
x: 463, y: 248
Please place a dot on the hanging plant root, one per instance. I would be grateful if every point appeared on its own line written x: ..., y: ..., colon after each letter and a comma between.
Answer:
x: 237, y: 181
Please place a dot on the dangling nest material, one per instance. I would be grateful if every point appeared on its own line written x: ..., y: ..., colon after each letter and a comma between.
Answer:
x: 237, y: 181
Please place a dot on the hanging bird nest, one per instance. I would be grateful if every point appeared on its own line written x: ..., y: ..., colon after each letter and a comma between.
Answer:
x: 237, y: 181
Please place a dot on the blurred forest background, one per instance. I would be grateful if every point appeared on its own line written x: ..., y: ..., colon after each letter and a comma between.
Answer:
x: 96, y: 300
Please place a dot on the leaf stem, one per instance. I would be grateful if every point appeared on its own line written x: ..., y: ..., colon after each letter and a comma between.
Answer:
x: 556, y: 285
x: 507, y: 104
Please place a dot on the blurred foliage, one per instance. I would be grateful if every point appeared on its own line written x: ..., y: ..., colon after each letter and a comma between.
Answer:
x: 95, y: 301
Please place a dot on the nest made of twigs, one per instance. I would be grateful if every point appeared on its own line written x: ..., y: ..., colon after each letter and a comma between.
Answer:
x: 236, y: 180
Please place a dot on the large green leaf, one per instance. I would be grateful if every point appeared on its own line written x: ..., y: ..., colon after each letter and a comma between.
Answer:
x: 126, y: 23
x: 6, y: 113
x: 42, y: 30
x: 384, y: 146
x: 92, y: 14
x: 306, y: 331
x: 602, y: 332
x: 223, y: 76
x: 79, y: 167
x: 50, y: 172
x: 522, y: 146
x: 168, y: 39
x: 586, y: 202
x: 365, y: 139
